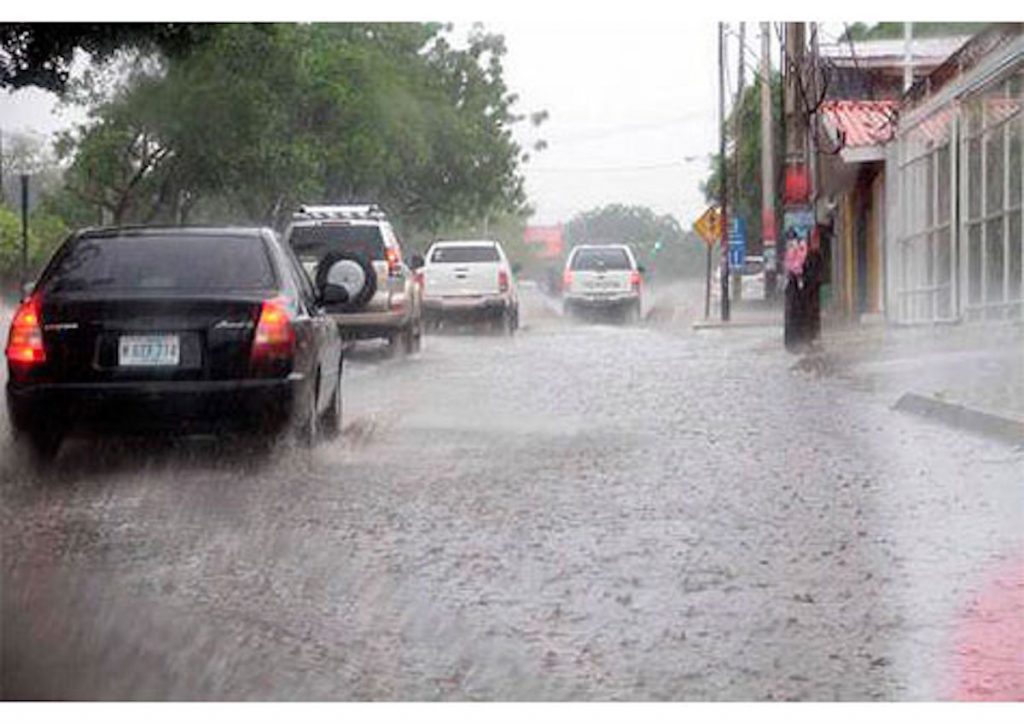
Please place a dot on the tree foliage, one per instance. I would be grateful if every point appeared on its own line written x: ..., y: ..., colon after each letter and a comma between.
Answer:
x: 46, y: 231
x: 40, y: 54
x: 889, y: 31
x: 658, y: 241
x: 31, y: 154
x: 745, y: 186
x: 260, y: 118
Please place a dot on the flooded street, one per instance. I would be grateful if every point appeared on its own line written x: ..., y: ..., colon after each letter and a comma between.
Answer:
x: 580, y: 512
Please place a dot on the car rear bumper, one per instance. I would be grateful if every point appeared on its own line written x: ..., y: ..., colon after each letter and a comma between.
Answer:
x: 601, y: 301
x: 368, y: 325
x: 468, y: 306
x: 189, y: 406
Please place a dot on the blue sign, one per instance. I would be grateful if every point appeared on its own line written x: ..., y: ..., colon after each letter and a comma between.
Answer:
x: 737, y: 243
x: 797, y: 223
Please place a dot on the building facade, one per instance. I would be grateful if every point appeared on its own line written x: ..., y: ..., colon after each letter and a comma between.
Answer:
x: 953, y: 236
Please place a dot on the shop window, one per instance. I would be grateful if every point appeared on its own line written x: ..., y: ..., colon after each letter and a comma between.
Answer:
x: 974, y: 264
x: 994, y: 261
x: 995, y: 165
x: 974, y: 178
x: 1014, y: 262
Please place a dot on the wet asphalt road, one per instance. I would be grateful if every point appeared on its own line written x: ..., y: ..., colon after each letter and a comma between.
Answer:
x: 583, y: 512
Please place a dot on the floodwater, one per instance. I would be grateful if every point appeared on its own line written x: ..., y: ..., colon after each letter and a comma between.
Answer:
x: 581, y: 512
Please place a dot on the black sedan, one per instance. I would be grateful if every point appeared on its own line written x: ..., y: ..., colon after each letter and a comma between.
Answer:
x: 173, y: 329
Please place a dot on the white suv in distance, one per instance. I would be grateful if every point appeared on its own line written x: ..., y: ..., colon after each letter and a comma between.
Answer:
x: 470, y: 281
x: 603, y: 278
x: 385, y: 296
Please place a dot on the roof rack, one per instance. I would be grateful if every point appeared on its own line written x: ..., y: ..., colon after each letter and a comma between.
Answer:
x: 340, y: 211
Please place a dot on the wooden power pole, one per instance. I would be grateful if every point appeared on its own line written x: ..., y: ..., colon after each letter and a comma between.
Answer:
x: 723, y: 175
x: 737, y: 132
x: 767, y: 165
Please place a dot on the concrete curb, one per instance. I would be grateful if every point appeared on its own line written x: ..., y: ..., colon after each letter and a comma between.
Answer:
x: 1000, y: 427
x: 734, y: 325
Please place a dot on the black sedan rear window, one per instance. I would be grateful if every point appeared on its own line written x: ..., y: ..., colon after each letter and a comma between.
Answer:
x: 316, y: 241
x: 598, y: 259
x: 464, y: 254
x: 139, y: 263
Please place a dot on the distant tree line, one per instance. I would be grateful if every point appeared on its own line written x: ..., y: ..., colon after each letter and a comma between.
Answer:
x: 659, y: 242
x: 745, y: 186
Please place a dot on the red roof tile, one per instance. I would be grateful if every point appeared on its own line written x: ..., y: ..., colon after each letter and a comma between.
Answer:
x: 861, y: 123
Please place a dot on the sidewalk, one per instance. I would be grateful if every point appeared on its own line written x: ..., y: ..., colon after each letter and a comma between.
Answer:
x: 743, y: 314
x: 970, y: 376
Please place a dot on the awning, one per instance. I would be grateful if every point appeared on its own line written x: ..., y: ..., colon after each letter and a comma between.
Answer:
x: 860, y: 128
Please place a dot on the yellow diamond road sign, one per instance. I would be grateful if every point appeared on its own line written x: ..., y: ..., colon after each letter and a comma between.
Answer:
x: 709, y: 225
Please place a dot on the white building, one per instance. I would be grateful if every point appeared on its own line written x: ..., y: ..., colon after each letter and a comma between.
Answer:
x: 954, y: 240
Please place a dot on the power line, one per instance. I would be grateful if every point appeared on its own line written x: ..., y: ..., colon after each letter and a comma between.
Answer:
x: 629, y: 128
x: 613, y: 169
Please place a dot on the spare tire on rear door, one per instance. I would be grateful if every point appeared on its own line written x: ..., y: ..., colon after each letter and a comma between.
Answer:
x: 352, y: 271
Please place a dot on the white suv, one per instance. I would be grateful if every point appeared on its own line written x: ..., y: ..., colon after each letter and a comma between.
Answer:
x: 603, y: 278
x: 469, y: 281
x: 385, y: 295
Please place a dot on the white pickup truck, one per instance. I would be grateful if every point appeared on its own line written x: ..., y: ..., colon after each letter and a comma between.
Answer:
x: 603, y: 279
x: 469, y: 281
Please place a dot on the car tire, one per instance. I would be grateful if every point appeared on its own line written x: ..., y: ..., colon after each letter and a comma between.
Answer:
x: 412, y: 337
x: 308, y: 430
x: 330, y: 421
x: 633, y: 313
x: 41, y: 442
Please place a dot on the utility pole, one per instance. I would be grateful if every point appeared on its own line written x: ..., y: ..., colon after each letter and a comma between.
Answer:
x: 707, y: 283
x: 737, y: 116
x: 724, y: 237
x: 24, y: 230
x: 908, y: 56
x: 767, y: 165
x: 798, y: 217
x: 812, y: 123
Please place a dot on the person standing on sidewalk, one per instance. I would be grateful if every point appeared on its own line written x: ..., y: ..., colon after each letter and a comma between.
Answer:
x: 813, y: 278
x: 795, y: 332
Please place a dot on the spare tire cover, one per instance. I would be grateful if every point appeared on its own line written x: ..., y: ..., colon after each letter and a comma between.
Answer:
x: 356, y: 274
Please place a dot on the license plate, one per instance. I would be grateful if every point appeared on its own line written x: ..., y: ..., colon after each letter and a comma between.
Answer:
x: 603, y: 284
x: 149, y: 351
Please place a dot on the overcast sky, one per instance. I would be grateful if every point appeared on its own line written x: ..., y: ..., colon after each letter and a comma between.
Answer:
x: 633, y: 112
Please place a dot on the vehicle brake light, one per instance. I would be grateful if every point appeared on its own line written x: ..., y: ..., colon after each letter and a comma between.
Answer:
x: 502, y: 280
x: 275, y: 336
x: 25, y: 341
x: 394, y: 259
x: 634, y: 280
x: 567, y: 279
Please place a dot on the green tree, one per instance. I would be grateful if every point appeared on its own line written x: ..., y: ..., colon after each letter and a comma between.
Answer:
x: 259, y: 118
x: 32, y: 154
x: 745, y: 187
x: 46, y: 232
x: 40, y: 54
x: 658, y: 241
